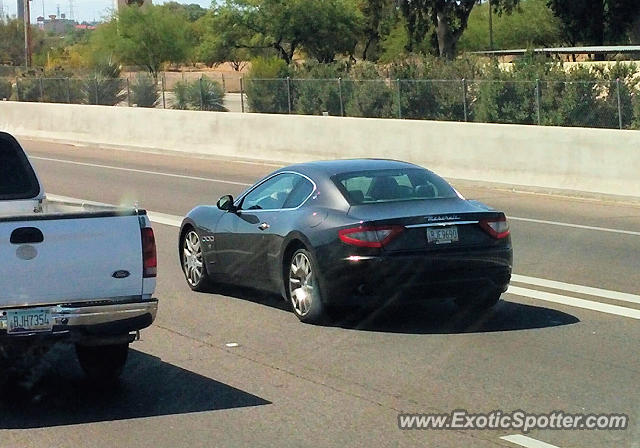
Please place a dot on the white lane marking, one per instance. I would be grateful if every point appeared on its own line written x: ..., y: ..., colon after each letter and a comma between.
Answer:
x: 575, y: 302
x: 575, y: 226
x: 133, y: 170
x: 604, y: 293
x: 163, y: 218
x: 527, y: 442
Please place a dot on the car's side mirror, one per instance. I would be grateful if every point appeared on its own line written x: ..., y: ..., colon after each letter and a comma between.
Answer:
x: 226, y: 203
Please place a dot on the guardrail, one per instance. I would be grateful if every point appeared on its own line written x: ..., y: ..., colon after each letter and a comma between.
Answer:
x: 601, y: 161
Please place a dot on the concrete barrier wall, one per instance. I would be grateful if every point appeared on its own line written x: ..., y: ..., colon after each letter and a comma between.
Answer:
x: 587, y: 160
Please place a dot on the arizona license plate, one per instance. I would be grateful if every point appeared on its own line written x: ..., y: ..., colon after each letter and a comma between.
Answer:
x: 28, y: 321
x: 442, y: 235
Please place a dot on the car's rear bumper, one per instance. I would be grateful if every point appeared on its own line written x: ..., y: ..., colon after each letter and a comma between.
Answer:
x: 91, y: 320
x: 417, y: 276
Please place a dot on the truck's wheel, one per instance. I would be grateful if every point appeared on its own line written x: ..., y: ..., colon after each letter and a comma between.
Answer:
x: 103, y: 363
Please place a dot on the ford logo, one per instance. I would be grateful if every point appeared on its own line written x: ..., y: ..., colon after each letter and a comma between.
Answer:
x: 121, y: 274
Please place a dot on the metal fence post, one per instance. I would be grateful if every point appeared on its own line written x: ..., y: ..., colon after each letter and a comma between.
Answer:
x: 128, y: 93
x: 163, y: 86
x: 289, y: 92
x: 41, y: 90
x: 201, y: 95
x: 538, y: 100
x: 224, y: 86
x: 68, y: 90
x: 399, y: 98
x: 340, y: 94
x: 17, y: 88
x: 242, y: 94
x: 464, y: 99
x: 619, y: 103
x: 97, y: 95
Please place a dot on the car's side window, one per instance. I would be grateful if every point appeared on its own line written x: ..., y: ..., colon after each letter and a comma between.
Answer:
x: 271, y: 194
x: 301, y: 191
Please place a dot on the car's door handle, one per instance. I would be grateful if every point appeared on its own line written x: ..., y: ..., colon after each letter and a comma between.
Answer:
x: 26, y: 235
x: 264, y: 226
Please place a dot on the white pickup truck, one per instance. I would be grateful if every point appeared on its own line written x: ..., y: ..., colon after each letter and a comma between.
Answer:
x: 71, y: 272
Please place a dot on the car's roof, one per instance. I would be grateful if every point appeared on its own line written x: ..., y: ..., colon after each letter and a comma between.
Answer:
x: 333, y: 167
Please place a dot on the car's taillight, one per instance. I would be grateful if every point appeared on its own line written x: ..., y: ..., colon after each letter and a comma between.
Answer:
x: 496, y: 227
x: 370, y: 236
x: 149, y: 255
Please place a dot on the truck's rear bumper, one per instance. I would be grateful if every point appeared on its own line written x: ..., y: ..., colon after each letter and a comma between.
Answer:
x: 90, y: 319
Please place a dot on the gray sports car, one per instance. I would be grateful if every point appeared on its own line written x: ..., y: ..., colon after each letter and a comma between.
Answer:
x: 350, y: 232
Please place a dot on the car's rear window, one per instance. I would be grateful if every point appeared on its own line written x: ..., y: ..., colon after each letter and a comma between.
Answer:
x: 377, y: 186
x: 17, y: 179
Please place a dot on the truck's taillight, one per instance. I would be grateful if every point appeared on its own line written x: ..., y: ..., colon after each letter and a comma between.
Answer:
x: 496, y: 227
x: 149, y: 255
x: 370, y: 236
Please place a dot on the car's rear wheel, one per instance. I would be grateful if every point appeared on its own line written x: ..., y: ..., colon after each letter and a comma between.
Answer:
x: 102, y: 363
x: 193, y: 265
x: 304, y: 288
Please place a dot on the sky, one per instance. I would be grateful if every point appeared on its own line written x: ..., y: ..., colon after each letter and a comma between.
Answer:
x: 83, y: 9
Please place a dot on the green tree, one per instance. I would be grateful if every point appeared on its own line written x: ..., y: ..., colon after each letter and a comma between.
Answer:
x: 222, y: 40
x: 192, y: 12
x: 12, y: 42
x: 146, y: 37
x: 532, y: 24
x: 322, y: 28
x: 379, y: 17
x: 445, y: 20
x: 595, y: 22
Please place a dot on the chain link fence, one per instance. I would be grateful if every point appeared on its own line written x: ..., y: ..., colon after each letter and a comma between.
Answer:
x: 603, y: 104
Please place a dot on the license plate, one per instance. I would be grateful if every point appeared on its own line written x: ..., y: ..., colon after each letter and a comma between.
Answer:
x: 442, y: 235
x: 29, y: 321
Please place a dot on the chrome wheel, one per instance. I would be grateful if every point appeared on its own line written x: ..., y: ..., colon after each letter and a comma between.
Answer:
x: 192, y: 261
x: 301, y: 284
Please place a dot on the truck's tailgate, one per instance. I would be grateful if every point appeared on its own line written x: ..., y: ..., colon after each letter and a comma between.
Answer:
x: 87, y: 258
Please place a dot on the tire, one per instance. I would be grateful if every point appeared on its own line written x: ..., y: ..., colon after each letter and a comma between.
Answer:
x: 485, y: 301
x: 192, y: 260
x: 102, y: 363
x: 304, y: 289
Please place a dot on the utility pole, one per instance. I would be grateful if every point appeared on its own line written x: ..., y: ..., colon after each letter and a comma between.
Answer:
x: 490, y: 27
x: 27, y: 34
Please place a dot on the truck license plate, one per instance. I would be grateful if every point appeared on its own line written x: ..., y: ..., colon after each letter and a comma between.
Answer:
x: 29, y: 321
x: 442, y: 235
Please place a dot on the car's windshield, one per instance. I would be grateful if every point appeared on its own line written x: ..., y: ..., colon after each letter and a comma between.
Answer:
x: 17, y: 179
x: 378, y: 186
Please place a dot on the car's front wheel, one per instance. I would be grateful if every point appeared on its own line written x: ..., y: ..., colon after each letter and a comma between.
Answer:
x: 193, y: 265
x: 304, y: 288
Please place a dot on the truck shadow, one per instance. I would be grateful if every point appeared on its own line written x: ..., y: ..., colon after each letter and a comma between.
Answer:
x: 61, y: 395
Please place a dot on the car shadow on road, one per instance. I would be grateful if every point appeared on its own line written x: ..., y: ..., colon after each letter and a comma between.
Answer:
x: 434, y: 317
x: 61, y: 395
x: 446, y: 318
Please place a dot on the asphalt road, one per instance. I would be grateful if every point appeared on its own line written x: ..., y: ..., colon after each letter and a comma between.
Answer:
x: 553, y: 346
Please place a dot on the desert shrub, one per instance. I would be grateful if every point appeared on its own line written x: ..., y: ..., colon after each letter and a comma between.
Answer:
x: 104, y: 86
x: 144, y: 91
x: 370, y: 94
x: 6, y: 89
x: 266, y: 86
